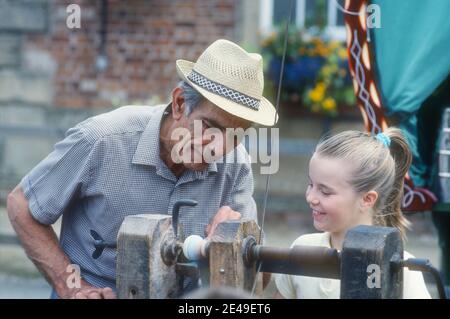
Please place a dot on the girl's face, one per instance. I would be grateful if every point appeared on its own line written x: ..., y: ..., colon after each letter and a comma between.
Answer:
x: 336, y: 207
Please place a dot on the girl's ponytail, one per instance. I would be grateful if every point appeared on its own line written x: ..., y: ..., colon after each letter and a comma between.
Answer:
x: 401, y: 154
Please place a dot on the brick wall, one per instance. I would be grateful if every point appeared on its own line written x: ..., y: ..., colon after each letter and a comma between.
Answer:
x: 48, y: 76
x: 144, y: 38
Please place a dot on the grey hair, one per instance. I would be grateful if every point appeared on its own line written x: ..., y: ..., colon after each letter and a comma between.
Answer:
x: 191, y: 97
x: 375, y: 167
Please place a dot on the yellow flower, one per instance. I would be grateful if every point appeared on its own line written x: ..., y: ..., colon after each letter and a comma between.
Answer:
x: 321, y: 87
x: 334, y: 45
x: 329, y: 104
x: 342, y: 54
x: 316, y: 95
x: 323, y: 51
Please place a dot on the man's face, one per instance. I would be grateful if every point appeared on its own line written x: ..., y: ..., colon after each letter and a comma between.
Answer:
x: 207, y: 136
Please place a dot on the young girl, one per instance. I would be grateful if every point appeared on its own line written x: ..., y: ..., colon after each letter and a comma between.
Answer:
x: 354, y: 179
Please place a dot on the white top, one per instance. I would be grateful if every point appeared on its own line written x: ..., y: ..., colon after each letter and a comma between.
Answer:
x: 302, y: 287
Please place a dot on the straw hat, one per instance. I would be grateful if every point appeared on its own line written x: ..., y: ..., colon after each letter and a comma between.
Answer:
x: 231, y: 78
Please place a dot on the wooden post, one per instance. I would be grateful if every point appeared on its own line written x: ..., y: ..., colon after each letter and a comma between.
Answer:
x: 226, y: 263
x: 141, y: 272
x: 367, y: 270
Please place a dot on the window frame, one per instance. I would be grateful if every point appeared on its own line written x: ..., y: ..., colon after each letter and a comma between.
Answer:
x: 331, y: 30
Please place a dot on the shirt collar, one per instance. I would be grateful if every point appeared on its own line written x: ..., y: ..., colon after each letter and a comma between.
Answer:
x: 147, y: 151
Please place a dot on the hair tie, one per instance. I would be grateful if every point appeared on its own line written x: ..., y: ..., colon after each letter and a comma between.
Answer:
x: 383, y: 138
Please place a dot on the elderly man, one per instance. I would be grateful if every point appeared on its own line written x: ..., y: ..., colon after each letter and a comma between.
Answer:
x: 121, y: 163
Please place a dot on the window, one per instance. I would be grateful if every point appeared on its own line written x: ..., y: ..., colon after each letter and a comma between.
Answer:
x: 308, y: 14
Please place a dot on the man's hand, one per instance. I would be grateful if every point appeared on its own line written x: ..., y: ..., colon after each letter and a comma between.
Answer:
x: 94, y: 293
x: 87, y: 291
x: 224, y: 213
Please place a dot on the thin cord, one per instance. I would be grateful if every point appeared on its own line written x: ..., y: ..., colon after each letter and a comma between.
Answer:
x: 280, y: 82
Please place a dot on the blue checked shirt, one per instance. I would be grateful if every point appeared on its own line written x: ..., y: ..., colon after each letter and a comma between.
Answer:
x: 108, y: 167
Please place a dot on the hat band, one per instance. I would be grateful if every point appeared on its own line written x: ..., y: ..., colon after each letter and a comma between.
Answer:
x: 224, y: 91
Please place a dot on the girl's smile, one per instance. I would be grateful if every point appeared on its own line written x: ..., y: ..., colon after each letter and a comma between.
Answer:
x: 318, y: 216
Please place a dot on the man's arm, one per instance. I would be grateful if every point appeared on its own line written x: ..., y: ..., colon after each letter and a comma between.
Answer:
x: 41, y: 245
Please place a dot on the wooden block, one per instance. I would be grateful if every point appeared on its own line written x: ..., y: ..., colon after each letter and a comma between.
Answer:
x: 226, y: 262
x: 141, y: 272
x: 366, y: 268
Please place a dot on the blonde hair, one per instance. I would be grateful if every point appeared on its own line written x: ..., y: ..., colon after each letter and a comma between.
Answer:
x: 377, y: 167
